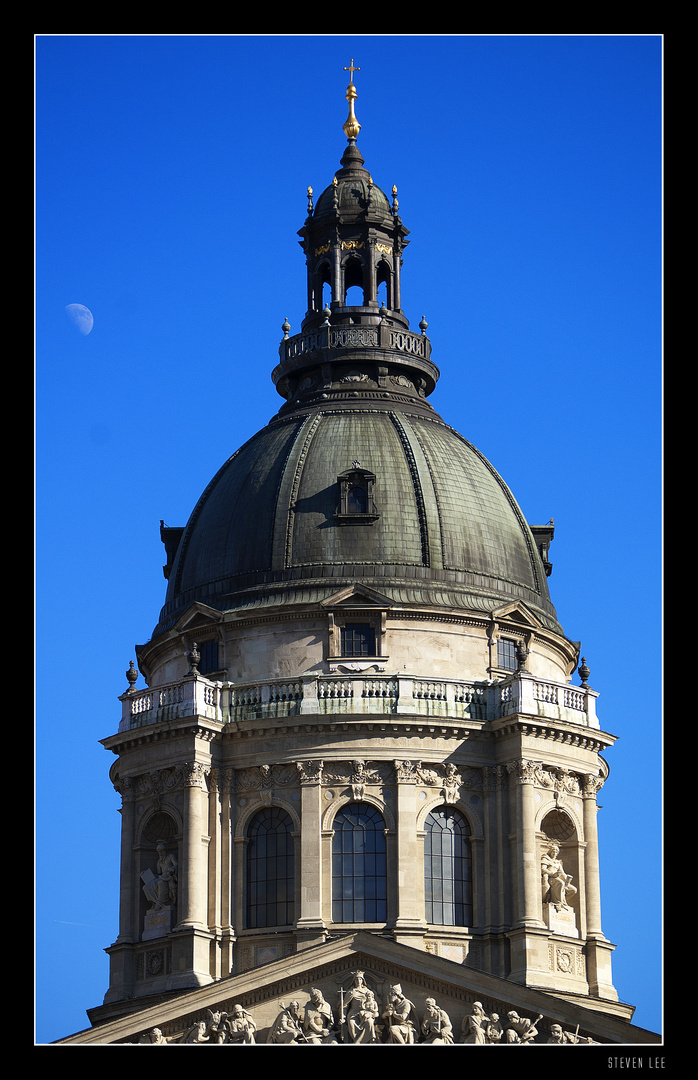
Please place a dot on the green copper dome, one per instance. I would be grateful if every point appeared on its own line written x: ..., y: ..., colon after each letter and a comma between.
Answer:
x: 445, y: 532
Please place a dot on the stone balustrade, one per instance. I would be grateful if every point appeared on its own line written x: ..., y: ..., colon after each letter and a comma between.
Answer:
x: 358, y: 695
x: 191, y: 696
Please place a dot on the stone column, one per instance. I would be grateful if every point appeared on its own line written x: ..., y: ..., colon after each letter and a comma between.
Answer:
x: 397, y: 299
x: 598, y: 948
x: 592, y: 785
x: 191, y: 962
x: 528, y: 939
x: 497, y: 869
x: 121, y: 957
x: 526, y: 868
x: 310, y: 925
x: 226, y: 884
x: 337, y: 289
x: 193, y: 875
x: 129, y: 880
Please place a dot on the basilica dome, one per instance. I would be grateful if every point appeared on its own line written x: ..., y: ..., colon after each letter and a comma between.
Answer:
x: 442, y: 528
x: 356, y: 479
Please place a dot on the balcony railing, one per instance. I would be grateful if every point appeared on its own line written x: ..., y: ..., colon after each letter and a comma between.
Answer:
x: 360, y: 695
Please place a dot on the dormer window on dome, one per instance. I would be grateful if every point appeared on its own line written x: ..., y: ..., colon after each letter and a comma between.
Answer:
x: 356, y: 502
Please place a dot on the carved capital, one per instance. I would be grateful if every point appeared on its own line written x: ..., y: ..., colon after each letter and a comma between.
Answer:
x: 591, y: 785
x: 525, y: 772
x: 309, y: 772
x: 406, y: 772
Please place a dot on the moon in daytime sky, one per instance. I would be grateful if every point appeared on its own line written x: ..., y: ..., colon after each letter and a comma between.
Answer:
x: 81, y: 317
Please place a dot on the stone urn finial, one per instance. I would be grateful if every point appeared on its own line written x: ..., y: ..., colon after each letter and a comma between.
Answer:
x: 193, y: 657
x: 584, y: 671
x: 521, y: 656
x: 131, y: 675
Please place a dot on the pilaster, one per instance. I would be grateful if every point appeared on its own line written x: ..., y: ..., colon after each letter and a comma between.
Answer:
x: 310, y: 925
x: 410, y: 922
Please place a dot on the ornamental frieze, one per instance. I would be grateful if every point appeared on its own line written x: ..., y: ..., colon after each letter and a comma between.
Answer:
x: 264, y: 777
x: 365, y: 1011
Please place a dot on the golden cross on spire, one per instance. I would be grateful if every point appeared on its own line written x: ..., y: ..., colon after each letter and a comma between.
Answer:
x: 351, y: 69
x: 351, y: 127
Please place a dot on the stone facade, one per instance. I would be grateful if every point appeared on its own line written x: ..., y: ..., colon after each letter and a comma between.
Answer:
x: 359, y: 790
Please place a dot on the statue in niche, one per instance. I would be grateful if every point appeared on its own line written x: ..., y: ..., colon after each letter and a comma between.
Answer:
x: 318, y: 1020
x: 557, y: 885
x: 519, y: 1029
x: 161, y: 888
x: 474, y: 1026
x: 359, y: 1012
x: 436, y: 1026
x: 400, y: 1017
x: 240, y: 1028
x: 287, y: 1026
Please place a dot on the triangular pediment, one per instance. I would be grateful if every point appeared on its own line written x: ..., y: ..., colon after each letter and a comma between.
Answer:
x: 358, y: 596
x: 516, y: 612
x: 198, y: 615
x: 265, y: 991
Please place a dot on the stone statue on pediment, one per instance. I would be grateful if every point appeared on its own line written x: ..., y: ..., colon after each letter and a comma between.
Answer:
x: 519, y: 1029
x: 287, y: 1026
x: 240, y: 1028
x: 400, y: 1016
x: 558, y: 1037
x: 359, y: 1012
x: 318, y: 1020
x: 436, y: 1026
x: 474, y: 1026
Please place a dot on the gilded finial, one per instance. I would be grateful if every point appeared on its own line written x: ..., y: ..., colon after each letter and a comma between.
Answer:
x: 352, y: 127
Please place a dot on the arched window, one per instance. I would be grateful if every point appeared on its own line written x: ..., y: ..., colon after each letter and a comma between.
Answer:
x: 270, y: 871
x: 447, y: 868
x: 359, y: 879
x: 354, y: 295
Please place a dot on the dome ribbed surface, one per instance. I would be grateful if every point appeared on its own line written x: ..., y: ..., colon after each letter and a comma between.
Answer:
x: 449, y: 532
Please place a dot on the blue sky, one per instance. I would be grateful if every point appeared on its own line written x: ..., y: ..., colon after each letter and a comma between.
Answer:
x: 171, y: 179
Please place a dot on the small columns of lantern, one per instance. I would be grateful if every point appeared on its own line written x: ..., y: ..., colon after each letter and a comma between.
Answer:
x: 584, y: 672
x: 132, y: 676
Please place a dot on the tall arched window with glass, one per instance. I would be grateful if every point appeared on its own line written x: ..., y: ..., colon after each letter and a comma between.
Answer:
x: 359, y: 873
x: 270, y: 869
x: 447, y: 868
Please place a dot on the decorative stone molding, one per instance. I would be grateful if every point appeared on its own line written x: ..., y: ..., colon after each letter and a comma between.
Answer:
x: 368, y: 1010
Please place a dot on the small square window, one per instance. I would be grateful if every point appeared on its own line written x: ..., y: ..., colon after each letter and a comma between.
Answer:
x: 358, y: 639
x: 506, y: 654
